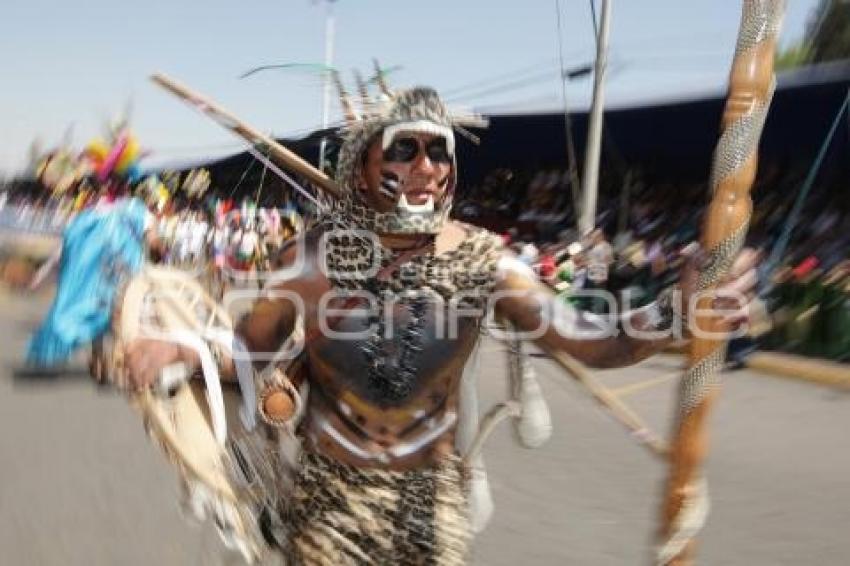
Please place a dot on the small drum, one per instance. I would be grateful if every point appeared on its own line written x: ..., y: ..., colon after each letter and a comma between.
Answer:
x: 237, y: 475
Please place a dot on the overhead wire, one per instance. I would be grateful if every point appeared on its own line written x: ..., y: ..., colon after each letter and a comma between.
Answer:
x: 242, y: 178
x: 572, y: 166
x: 594, y: 22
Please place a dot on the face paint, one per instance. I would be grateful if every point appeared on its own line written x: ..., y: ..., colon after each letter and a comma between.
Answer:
x: 407, y: 149
x: 390, y: 187
x: 426, y: 207
x: 390, y: 184
x: 419, y: 117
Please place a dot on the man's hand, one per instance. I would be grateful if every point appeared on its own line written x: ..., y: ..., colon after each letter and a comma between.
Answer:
x: 733, y: 298
x: 145, y: 358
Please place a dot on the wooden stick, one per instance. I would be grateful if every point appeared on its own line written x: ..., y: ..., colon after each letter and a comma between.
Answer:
x: 751, y: 87
x: 277, y: 152
x: 621, y: 412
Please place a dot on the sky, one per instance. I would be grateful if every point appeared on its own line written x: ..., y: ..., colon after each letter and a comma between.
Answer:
x: 67, y: 68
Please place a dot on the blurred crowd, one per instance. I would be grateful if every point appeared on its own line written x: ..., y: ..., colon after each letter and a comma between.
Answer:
x: 644, y: 230
x: 243, y: 238
x: 205, y: 235
x: 636, y: 251
x: 24, y: 213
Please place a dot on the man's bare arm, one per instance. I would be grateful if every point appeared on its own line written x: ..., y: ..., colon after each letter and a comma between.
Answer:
x: 627, y: 338
x: 264, y: 329
x: 272, y: 317
x: 556, y: 325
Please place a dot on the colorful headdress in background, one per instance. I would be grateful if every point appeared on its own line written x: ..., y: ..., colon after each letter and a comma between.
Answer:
x: 60, y: 170
x: 117, y: 158
x: 196, y: 183
x: 154, y: 192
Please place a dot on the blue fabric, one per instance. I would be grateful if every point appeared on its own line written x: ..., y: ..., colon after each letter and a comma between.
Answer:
x: 100, y: 249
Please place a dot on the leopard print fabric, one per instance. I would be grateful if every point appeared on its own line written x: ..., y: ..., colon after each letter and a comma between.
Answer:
x: 395, y: 222
x: 345, y: 515
x: 466, y: 275
x: 461, y: 279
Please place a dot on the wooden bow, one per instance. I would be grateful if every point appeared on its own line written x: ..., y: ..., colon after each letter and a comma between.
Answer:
x: 277, y: 152
x: 751, y: 86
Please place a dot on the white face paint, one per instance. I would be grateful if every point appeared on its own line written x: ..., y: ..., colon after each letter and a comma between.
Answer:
x: 426, y: 207
x: 421, y: 126
x: 389, y: 184
x: 390, y: 187
x: 411, y: 182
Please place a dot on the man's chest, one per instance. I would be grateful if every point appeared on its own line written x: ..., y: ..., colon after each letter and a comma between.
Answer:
x: 390, y: 353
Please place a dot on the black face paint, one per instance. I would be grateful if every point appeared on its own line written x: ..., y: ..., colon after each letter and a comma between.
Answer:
x: 406, y: 149
x: 390, y: 184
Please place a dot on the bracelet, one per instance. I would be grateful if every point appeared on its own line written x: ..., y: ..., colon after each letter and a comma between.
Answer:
x: 667, y: 310
x: 663, y: 312
x: 279, y: 403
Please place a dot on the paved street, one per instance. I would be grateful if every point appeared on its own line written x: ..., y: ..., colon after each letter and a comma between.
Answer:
x: 81, y: 485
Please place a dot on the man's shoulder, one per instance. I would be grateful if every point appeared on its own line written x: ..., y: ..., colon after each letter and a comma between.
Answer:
x: 305, y: 244
x: 466, y: 232
x: 465, y: 227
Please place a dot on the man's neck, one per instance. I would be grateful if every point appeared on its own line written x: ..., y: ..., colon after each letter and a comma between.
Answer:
x: 450, y: 237
x: 402, y: 242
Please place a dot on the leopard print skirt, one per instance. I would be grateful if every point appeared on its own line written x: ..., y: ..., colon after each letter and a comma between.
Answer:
x: 344, y: 515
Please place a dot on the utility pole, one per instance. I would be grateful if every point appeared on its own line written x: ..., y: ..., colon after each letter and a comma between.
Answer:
x: 590, y: 184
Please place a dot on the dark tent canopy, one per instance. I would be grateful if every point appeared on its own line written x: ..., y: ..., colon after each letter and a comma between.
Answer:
x: 673, y: 141
x: 669, y: 143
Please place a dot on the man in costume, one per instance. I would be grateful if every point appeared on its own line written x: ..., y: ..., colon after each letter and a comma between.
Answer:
x: 393, y: 297
x: 102, y: 247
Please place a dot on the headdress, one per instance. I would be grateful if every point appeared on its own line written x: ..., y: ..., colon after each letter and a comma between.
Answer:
x: 418, y: 109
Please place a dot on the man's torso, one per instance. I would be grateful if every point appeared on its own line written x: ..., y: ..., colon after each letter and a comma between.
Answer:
x: 384, y: 381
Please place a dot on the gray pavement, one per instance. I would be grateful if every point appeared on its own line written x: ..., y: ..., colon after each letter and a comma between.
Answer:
x: 81, y: 485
